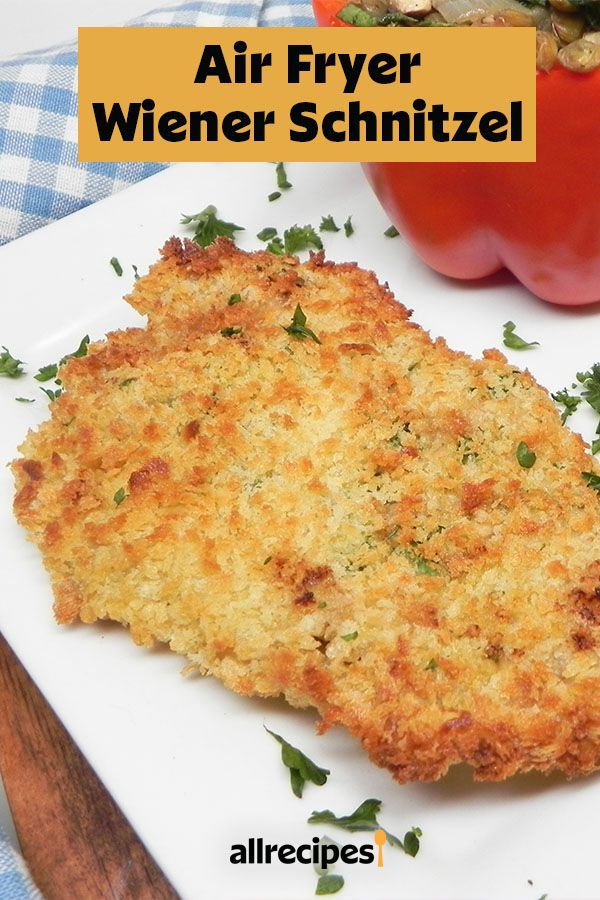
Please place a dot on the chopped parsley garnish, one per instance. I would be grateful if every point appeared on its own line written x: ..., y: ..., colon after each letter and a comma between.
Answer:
x: 298, y: 327
x: 589, y: 390
x: 276, y: 246
x: 590, y: 382
x: 52, y: 395
x: 24, y: 400
x: 411, y: 841
x: 207, y: 227
x: 391, y: 232
x: 431, y: 666
x: 569, y: 401
x: 47, y: 373
x: 301, y: 237
x: 267, y: 560
x: 295, y: 239
x: 282, y: 181
x: 114, y: 262
x: 592, y: 480
x: 230, y: 331
x: 120, y: 495
x: 328, y: 224
x: 136, y: 274
x: 351, y: 636
x: 9, y: 366
x: 235, y: 298
x: 80, y: 352
x: 266, y: 234
x: 348, y: 227
x: 274, y: 195
x: 329, y: 884
x: 421, y: 564
x: 513, y: 341
x: 525, y: 457
x: 126, y: 382
x: 302, y: 769
x: 364, y: 818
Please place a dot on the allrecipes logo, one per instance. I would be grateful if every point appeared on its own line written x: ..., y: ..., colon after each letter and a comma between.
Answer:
x: 318, y: 853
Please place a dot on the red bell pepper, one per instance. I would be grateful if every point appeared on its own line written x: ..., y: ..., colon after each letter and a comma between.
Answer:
x: 539, y: 220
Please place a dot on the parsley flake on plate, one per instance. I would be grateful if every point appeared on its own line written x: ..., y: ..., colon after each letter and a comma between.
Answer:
x: 391, y: 232
x: 328, y: 224
x: 114, y: 262
x: 282, y: 181
x: 301, y: 237
x: 513, y: 341
x: 9, y: 366
x: 302, y: 769
x: 364, y: 818
x: 590, y: 383
x: 348, y: 227
x: 52, y: 395
x: 266, y: 234
x: 570, y: 402
x: 207, y: 227
x: 47, y: 373
x: 274, y: 195
x: 329, y: 884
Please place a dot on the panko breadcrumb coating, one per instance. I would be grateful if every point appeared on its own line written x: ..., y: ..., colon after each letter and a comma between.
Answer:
x: 345, y: 523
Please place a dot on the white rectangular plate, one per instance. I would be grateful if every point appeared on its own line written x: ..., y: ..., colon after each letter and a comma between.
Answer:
x: 190, y: 763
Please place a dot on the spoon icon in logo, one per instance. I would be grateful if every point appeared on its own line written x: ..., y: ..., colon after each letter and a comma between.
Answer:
x: 380, y: 838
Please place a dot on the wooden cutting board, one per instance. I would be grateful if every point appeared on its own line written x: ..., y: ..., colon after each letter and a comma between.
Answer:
x: 75, y: 840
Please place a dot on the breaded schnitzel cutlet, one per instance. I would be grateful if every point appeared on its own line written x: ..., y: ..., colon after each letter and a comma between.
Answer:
x: 336, y: 513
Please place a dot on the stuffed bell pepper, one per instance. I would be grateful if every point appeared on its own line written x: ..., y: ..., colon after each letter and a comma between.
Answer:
x: 539, y: 220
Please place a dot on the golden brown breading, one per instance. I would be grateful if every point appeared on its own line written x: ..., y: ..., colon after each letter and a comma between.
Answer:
x: 343, y: 523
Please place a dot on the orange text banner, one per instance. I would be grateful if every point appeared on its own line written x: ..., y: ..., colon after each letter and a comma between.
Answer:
x: 345, y: 94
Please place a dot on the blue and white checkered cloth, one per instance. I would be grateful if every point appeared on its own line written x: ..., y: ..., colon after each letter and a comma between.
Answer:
x: 15, y: 882
x: 40, y: 176
x: 42, y: 180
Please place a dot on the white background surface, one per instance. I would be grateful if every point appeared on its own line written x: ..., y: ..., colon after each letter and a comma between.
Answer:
x: 188, y: 761
x: 33, y: 24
